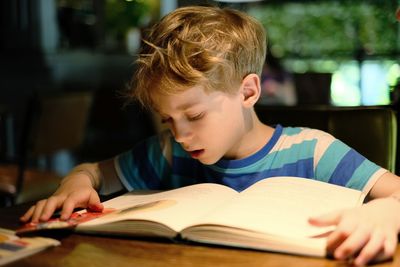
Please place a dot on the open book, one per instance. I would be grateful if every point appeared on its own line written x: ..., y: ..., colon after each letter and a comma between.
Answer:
x: 270, y: 215
x: 13, y: 248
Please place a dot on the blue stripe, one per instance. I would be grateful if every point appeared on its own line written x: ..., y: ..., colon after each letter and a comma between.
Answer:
x: 302, y: 168
x: 330, y: 160
x: 346, y: 167
x: 240, y: 181
x: 296, y: 152
x: 139, y: 158
x: 188, y: 167
x: 362, y: 175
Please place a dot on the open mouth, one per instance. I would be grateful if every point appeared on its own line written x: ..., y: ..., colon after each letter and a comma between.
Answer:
x: 196, y: 153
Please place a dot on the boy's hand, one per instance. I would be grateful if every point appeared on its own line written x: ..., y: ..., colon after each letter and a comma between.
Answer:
x: 364, y: 234
x: 76, y: 192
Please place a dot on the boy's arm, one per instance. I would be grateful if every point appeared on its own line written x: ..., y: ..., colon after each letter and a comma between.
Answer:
x: 102, y: 175
x: 386, y: 186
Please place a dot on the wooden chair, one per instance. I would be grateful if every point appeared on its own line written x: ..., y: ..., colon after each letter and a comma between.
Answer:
x: 54, y: 122
x: 371, y: 130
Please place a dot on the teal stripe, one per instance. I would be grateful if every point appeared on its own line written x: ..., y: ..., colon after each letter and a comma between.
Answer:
x: 157, y: 159
x: 329, y: 161
x: 362, y: 175
x: 129, y: 170
x: 289, y: 131
x: 178, y: 151
x: 297, y: 152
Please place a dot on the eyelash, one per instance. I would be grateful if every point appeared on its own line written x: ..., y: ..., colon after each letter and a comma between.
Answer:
x: 196, y: 117
x: 190, y: 118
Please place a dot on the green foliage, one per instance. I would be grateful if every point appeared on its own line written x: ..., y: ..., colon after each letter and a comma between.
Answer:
x: 330, y: 28
x: 123, y: 15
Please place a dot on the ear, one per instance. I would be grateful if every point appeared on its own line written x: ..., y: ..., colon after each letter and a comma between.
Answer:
x: 251, y: 90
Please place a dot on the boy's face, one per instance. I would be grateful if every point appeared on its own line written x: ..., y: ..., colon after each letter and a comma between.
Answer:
x: 209, y: 126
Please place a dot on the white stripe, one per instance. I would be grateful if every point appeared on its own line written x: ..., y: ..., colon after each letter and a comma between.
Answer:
x: 373, y: 179
x: 324, y: 140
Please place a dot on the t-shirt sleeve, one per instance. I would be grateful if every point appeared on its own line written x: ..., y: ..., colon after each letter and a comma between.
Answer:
x: 342, y: 165
x: 144, y: 166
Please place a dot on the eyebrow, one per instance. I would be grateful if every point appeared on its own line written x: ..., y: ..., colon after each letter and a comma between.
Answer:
x: 184, y: 106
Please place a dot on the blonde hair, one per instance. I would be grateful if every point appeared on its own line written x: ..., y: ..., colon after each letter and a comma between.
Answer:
x: 207, y: 46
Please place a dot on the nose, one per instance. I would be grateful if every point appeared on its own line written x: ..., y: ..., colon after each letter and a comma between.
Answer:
x: 182, y: 132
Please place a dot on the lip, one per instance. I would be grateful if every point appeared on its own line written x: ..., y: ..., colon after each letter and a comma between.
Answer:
x: 196, y: 153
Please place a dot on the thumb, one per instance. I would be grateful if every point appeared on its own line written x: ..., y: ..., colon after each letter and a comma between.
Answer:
x: 327, y: 219
x: 94, y: 203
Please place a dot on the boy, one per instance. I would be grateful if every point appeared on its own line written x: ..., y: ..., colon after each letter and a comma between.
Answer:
x: 200, y: 71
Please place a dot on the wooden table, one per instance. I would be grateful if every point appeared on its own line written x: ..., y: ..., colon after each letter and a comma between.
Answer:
x: 90, y: 251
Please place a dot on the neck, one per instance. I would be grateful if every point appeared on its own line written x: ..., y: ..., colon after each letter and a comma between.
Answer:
x: 256, y: 136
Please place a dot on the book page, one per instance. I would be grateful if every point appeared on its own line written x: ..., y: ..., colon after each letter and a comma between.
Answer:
x: 281, y: 206
x: 13, y: 248
x: 176, y: 208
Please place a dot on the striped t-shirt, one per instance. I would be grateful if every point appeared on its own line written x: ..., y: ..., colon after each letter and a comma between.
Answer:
x: 161, y: 163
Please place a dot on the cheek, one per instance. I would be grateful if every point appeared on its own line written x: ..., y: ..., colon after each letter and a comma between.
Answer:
x: 222, y: 123
x: 209, y: 131
x: 221, y: 130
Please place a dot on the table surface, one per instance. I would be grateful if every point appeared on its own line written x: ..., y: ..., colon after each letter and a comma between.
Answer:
x: 88, y: 250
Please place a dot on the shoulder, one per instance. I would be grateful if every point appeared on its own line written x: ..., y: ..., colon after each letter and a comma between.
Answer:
x: 298, y: 135
x: 305, y: 132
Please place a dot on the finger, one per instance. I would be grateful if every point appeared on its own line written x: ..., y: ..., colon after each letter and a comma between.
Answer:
x: 371, y: 249
x: 38, y: 210
x: 68, y: 207
x: 79, y: 200
x: 52, y: 204
x: 344, y: 229
x: 389, y: 248
x: 353, y: 243
x: 332, y: 218
x: 97, y: 207
x: 28, y: 214
x: 94, y: 203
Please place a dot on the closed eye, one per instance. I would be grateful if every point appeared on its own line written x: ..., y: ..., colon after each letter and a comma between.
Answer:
x: 196, y: 117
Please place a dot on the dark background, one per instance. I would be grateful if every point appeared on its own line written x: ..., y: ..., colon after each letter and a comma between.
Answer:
x: 66, y: 46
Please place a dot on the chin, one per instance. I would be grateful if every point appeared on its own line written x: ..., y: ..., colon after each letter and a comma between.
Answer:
x: 208, y: 161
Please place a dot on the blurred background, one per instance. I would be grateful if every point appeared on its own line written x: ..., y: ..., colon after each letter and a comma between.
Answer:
x: 321, y: 52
